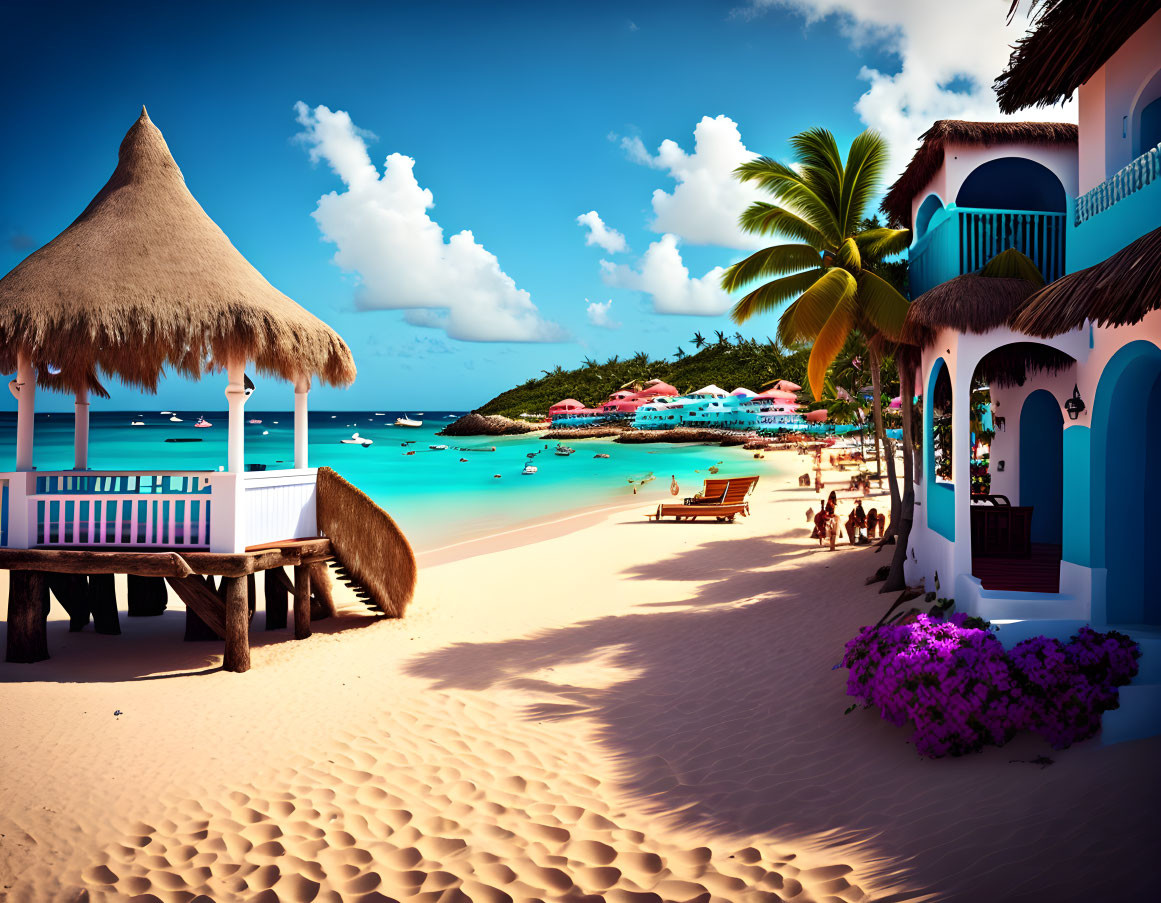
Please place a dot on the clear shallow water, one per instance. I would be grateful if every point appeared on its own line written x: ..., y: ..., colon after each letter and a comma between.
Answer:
x: 435, y: 498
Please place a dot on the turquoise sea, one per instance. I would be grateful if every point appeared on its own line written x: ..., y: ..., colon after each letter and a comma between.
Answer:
x: 434, y: 496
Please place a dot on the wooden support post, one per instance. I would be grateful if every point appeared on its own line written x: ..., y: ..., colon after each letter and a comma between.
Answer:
x: 301, y: 601
x: 251, y: 595
x: 237, y: 657
x: 72, y: 592
x: 323, y: 605
x: 277, y: 598
x: 27, y: 634
x: 147, y: 596
x: 205, y: 613
x: 103, y: 604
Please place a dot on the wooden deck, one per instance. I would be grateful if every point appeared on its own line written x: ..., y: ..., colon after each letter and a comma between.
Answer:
x: 1038, y: 573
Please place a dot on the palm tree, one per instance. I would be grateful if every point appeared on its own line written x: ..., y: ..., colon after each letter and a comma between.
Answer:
x: 590, y: 364
x: 613, y: 360
x: 698, y: 340
x: 680, y: 352
x: 721, y: 336
x: 821, y: 202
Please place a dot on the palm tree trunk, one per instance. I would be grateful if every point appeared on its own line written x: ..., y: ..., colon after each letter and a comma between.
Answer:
x: 880, y: 437
x: 896, y: 580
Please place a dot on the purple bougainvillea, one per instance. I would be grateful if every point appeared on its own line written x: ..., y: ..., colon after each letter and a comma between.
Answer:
x: 954, y: 681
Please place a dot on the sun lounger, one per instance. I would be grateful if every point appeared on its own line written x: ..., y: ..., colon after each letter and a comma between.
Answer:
x: 727, y: 499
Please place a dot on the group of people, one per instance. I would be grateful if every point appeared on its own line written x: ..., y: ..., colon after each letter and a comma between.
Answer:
x: 861, y: 526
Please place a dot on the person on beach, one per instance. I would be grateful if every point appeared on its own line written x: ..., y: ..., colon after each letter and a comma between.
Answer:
x: 832, y: 500
x: 832, y: 528
x: 872, y: 522
x: 860, y: 517
x: 820, y: 523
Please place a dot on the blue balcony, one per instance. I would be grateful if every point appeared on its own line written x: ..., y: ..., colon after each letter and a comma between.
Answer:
x: 960, y: 240
x: 1118, y: 211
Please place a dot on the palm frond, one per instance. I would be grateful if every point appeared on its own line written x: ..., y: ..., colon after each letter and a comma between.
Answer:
x: 831, y: 338
x: 862, y: 176
x: 764, y: 218
x: 805, y: 318
x: 767, y: 298
x: 875, y: 244
x: 881, y: 306
x: 779, y: 260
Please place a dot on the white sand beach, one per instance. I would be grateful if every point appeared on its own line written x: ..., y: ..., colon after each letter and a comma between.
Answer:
x: 602, y: 709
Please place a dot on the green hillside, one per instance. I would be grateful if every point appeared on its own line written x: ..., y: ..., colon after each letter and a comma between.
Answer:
x: 728, y: 363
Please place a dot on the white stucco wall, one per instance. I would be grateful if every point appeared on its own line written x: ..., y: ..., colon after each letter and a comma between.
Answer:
x: 1108, y: 101
x: 960, y: 160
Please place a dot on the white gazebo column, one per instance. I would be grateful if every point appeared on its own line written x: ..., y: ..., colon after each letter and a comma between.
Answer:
x: 81, y: 430
x: 236, y: 397
x: 25, y: 392
x: 301, y: 390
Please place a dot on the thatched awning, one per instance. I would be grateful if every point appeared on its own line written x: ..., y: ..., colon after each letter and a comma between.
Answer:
x: 1115, y: 292
x: 1069, y: 42
x: 929, y: 158
x: 1010, y: 365
x: 968, y: 303
x: 143, y: 278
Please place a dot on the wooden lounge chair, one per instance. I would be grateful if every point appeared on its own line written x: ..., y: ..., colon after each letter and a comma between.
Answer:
x: 723, y: 499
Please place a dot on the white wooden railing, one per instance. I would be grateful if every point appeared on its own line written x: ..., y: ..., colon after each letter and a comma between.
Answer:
x: 221, y: 512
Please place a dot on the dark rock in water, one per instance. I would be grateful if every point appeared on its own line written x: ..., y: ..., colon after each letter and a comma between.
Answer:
x: 184, y: 439
x: 474, y: 424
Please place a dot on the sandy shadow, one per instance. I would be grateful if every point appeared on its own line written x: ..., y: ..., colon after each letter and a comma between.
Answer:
x: 730, y: 717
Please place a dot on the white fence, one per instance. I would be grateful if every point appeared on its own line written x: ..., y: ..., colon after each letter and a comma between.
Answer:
x: 222, y: 512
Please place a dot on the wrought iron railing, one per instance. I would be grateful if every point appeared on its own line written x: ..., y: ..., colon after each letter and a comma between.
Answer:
x: 1130, y: 179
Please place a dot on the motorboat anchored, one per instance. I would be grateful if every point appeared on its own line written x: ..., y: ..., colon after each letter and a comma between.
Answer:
x: 201, y: 424
x: 438, y: 447
x: 356, y: 439
x: 407, y: 421
x: 563, y: 451
x: 529, y: 468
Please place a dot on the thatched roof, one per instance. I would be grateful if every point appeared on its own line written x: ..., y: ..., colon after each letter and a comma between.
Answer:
x: 1115, y: 292
x: 1009, y: 365
x: 968, y: 303
x: 929, y: 158
x: 143, y: 278
x: 1070, y: 40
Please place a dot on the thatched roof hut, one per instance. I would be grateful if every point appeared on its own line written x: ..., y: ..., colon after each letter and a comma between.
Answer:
x: 1070, y: 40
x: 974, y: 302
x: 143, y: 278
x: 1117, y: 291
x: 929, y: 157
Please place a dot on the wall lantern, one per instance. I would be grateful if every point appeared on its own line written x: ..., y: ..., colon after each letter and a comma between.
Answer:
x: 1075, y: 405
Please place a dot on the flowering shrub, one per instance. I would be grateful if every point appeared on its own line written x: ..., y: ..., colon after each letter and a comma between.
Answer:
x: 956, y: 683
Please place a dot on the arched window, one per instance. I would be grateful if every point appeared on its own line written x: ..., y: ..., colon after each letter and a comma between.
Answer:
x: 1149, y: 127
x: 1012, y: 183
x: 931, y: 205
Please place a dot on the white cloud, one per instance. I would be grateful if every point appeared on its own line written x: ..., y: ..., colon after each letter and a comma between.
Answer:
x: 382, y: 232
x: 704, y: 207
x: 661, y: 274
x: 599, y: 314
x: 950, y: 54
x: 601, y: 235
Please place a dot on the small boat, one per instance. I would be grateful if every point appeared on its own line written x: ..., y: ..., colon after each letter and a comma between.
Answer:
x: 380, y: 414
x: 166, y: 413
x: 600, y: 456
x: 356, y: 439
x: 409, y: 453
x: 202, y: 423
x: 255, y: 420
x: 175, y: 419
x: 407, y: 421
x: 438, y: 447
x: 450, y: 417
x: 419, y: 413
x: 485, y: 448
x: 529, y: 468
x: 463, y: 460
x: 184, y: 439
x: 495, y: 476
x: 407, y: 443
x: 564, y: 451
x: 266, y: 432
x: 138, y: 423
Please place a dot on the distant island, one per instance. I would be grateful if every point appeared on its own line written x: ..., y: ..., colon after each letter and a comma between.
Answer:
x: 728, y: 362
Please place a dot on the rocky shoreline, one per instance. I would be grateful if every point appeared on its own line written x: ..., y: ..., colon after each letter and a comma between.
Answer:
x: 473, y: 424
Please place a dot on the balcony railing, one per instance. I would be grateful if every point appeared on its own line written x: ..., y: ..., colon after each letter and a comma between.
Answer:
x: 142, y: 511
x: 963, y: 239
x: 1143, y: 171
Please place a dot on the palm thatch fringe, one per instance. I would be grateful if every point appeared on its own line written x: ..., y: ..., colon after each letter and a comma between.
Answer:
x: 144, y: 279
x: 1069, y: 41
x: 1116, y: 292
x: 367, y: 542
x: 968, y: 303
x: 1011, y: 365
x: 929, y: 158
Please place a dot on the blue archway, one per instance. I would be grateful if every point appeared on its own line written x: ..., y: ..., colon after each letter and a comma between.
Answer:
x: 1042, y: 464
x: 931, y: 205
x: 1012, y: 183
x: 1125, y: 530
x: 940, y: 496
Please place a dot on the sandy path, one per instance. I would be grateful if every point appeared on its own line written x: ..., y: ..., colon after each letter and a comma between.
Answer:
x: 627, y: 712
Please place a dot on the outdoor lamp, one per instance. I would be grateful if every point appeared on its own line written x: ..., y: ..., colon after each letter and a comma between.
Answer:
x: 1074, y: 405
x: 248, y: 385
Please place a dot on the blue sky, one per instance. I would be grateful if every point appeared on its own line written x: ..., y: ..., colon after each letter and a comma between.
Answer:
x: 519, y: 118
